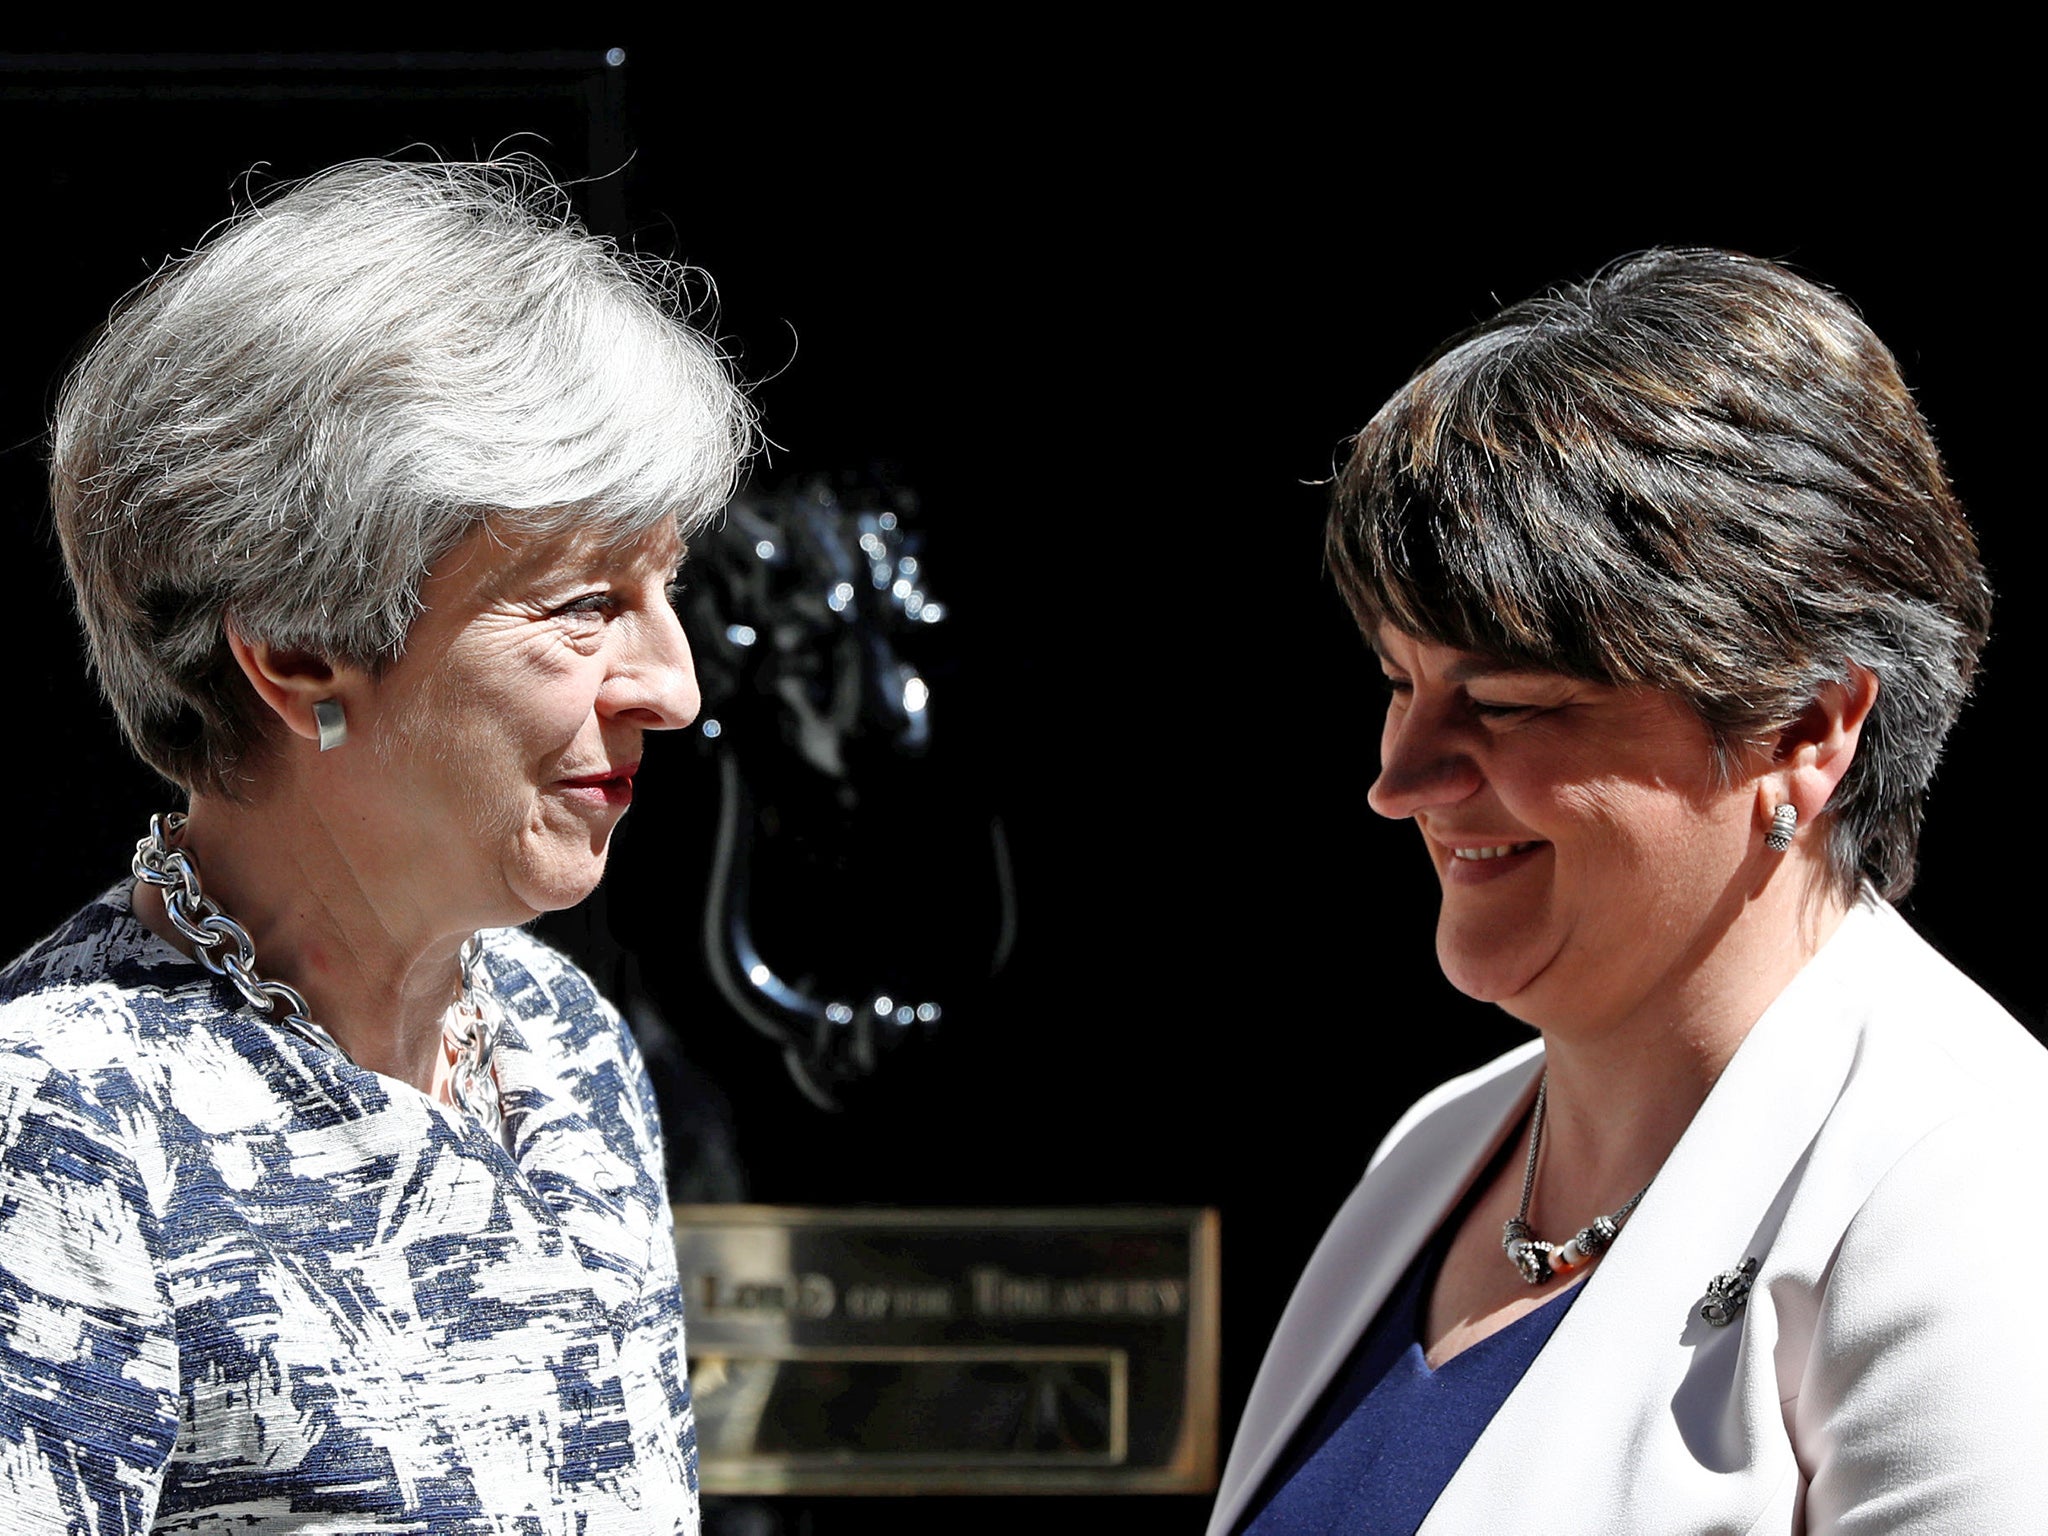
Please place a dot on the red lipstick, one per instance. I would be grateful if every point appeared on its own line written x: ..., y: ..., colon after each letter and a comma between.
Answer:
x: 612, y: 786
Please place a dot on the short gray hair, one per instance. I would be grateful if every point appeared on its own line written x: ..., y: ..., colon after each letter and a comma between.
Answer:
x: 1697, y: 472
x: 286, y: 428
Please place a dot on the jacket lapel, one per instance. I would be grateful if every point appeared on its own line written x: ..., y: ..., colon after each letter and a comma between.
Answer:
x: 1425, y: 1168
x: 1636, y: 1404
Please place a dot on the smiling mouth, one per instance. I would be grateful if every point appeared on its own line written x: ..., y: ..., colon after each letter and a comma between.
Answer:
x: 610, y: 776
x: 1497, y: 851
x: 614, y: 788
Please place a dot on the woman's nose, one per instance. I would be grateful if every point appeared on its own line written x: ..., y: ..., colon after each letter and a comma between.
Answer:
x: 1422, y: 765
x: 654, y: 683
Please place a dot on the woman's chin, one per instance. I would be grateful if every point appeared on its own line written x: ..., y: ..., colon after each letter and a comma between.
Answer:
x: 559, y: 864
x: 1486, y: 973
x: 562, y: 895
x: 557, y: 885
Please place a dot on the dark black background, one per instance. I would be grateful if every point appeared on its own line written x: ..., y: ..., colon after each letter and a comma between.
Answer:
x: 1110, y: 309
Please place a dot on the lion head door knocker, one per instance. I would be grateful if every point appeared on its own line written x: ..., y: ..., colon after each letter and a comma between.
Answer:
x: 815, y: 632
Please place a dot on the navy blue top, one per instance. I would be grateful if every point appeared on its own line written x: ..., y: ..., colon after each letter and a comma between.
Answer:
x: 1391, y: 1431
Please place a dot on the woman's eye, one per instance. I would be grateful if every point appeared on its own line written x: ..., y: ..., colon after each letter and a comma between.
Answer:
x: 598, y: 603
x: 1489, y: 710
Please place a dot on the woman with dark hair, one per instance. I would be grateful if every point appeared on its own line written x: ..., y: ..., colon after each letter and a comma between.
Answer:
x: 328, y: 1199
x: 1676, y: 606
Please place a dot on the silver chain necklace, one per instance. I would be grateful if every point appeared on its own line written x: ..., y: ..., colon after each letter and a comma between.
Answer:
x: 1537, y: 1260
x: 223, y: 946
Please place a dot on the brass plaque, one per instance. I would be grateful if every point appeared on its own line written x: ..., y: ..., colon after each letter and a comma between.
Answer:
x: 951, y: 1351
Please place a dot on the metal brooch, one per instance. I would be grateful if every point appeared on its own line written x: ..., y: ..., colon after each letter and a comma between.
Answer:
x: 1728, y: 1294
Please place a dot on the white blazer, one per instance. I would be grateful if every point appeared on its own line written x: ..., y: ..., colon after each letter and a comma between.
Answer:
x: 1877, y: 1145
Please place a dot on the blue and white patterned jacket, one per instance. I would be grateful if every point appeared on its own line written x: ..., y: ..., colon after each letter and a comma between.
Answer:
x: 246, y: 1285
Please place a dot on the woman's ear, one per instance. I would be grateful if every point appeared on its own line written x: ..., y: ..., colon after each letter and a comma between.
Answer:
x: 1816, y: 749
x: 293, y: 684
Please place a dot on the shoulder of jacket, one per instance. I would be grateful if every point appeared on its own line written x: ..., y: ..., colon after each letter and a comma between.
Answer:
x: 1471, y: 1098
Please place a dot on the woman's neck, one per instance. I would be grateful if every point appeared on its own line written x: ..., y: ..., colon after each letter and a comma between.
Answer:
x: 1621, y: 1093
x: 377, y: 970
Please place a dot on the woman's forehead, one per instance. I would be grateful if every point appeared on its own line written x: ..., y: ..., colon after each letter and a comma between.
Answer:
x: 495, y: 560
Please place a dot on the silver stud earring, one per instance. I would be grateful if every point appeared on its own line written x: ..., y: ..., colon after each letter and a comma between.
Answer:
x: 333, y: 723
x: 1784, y: 821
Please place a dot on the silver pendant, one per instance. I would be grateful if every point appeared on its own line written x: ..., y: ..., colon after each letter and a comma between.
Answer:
x: 1526, y: 1251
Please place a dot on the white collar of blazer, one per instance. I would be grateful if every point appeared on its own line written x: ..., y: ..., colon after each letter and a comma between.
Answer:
x: 1646, y: 1376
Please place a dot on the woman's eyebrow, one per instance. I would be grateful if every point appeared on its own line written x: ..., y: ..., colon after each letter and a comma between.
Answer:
x: 1469, y: 668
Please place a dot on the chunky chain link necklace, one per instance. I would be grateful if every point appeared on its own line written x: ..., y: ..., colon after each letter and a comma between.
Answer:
x: 223, y: 946
x: 1537, y: 1260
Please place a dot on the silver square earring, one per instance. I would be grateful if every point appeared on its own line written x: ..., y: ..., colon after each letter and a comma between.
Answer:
x: 333, y: 723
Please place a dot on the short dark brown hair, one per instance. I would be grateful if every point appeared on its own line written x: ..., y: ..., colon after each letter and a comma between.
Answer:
x: 1697, y: 472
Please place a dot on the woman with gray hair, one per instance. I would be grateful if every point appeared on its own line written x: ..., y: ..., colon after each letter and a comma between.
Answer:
x: 1675, y: 606
x: 328, y: 1199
